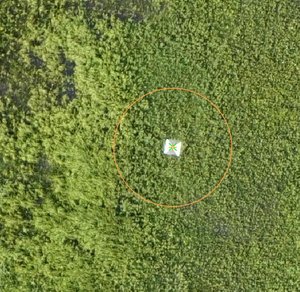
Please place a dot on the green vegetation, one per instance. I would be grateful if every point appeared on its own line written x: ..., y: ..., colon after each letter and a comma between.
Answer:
x: 69, y: 68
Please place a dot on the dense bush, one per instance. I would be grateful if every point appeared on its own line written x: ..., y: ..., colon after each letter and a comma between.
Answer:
x: 68, y: 69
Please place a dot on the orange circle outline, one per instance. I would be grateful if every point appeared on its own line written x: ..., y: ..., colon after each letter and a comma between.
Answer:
x: 114, y: 142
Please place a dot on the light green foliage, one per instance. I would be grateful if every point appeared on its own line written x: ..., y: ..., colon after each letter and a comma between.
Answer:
x: 67, y: 70
x: 205, y: 141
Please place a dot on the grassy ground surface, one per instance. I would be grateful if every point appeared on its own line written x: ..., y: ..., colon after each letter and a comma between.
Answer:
x: 68, y: 69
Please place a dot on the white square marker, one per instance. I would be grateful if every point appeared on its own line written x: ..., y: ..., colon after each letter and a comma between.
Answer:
x: 172, y: 147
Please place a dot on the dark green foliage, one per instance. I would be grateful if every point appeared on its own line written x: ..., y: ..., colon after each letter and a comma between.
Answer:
x: 67, y: 70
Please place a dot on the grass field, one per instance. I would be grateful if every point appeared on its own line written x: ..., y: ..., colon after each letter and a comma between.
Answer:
x: 67, y: 71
